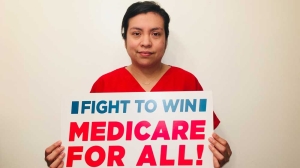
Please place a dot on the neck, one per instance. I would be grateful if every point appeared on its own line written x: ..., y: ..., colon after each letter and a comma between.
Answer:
x: 148, y: 72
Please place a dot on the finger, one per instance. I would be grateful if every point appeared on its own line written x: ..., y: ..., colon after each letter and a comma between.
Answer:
x: 217, y: 145
x: 216, y: 153
x: 49, y: 150
x: 58, y: 161
x: 223, y: 142
x: 219, y: 139
x: 61, y: 165
x: 50, y: 158
x: 216, y: 163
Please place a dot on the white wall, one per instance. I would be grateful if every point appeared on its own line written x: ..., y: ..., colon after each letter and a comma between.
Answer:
x: 246, y: 52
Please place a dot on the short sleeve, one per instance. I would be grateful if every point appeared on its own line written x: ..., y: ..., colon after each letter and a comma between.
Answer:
x: 98, y: 86
x: 215, y: 117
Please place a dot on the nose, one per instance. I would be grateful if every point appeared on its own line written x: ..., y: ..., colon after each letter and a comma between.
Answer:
x: 146, y: 41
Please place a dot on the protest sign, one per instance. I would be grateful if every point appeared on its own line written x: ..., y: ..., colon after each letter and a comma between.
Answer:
x: 140, y: 129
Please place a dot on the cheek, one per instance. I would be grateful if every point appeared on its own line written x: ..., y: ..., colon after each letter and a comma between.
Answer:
x: 131, y: 45
x: 162, y: 46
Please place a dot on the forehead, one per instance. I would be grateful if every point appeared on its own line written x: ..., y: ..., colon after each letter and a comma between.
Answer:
x: 146, y: 20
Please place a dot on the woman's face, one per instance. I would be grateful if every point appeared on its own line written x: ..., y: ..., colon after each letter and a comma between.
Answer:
x: 146, y: 42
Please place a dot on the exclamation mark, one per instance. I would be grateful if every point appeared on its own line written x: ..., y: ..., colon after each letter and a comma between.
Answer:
x: 199, y: 152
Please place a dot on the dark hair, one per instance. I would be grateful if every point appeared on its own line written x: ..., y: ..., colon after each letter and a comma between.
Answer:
x: 144, y: 7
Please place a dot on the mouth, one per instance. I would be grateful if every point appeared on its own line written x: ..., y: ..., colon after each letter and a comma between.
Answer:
x: 145, y: 53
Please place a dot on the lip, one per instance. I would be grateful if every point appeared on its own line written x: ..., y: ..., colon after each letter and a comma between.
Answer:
x: 145, y: 53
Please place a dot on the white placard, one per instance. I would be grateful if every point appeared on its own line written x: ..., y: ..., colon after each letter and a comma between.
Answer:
x: 140, y: 129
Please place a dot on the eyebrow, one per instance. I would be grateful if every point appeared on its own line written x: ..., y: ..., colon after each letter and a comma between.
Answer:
x: 156, y: 28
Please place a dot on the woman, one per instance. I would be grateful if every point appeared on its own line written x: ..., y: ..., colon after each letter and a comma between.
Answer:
x: 145, y: 32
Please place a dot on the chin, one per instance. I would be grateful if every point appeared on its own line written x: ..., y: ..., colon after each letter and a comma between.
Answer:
x: 146, y: 64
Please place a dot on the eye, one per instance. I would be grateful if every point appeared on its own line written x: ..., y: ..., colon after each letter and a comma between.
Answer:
x: 136, y: 33
x: 156, y: 34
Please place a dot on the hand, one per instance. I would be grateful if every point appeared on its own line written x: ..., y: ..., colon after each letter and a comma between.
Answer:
x: 54, y: 155
x: 220, y: 149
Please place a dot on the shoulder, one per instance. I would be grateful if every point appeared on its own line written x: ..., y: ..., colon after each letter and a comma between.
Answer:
x: 114, y: 73
x: 185, y: 78
x: 179, y: 72
x: 108, y: 79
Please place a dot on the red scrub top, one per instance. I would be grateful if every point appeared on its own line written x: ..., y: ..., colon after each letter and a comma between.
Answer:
x: 175, y: 79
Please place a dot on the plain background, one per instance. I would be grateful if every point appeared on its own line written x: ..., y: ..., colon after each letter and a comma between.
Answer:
x: 246, y: 52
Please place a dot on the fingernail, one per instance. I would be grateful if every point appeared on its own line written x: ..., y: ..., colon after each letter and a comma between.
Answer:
x: 210, y: 139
